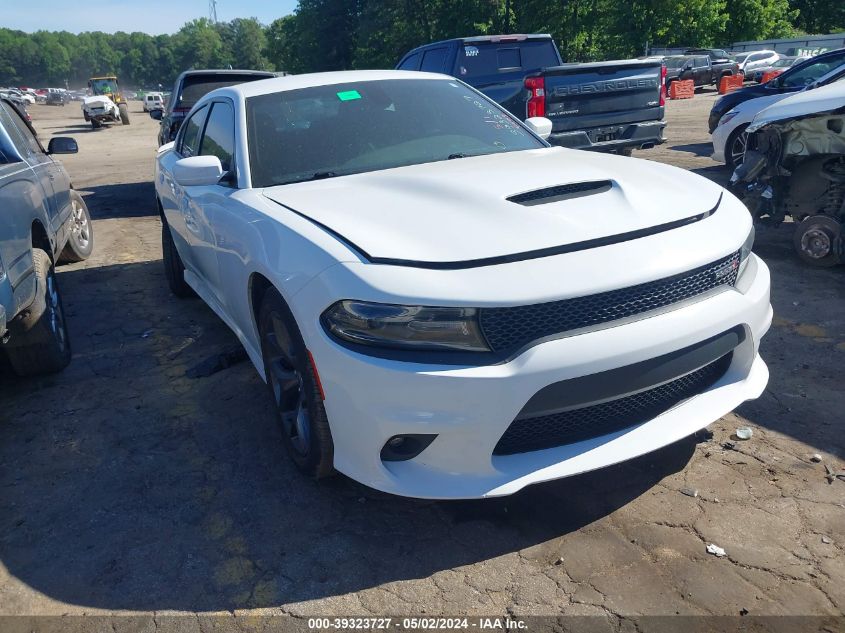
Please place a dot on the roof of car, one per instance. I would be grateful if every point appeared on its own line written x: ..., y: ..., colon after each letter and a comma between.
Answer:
x: 295, y: 82
x: 225, y: 71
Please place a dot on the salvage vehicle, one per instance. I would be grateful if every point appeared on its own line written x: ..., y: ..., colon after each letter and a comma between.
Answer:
x: 731, y: 136
x: 56, y: 97
x: 793, y: 79
x: 614, y: 106
x: 442, y: 304
x: 190, y: 87
x: 44, y: 221
x: 106, y: 103
x: 795, y: 166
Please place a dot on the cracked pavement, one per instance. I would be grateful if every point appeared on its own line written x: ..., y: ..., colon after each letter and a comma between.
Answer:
x: 127, y: 486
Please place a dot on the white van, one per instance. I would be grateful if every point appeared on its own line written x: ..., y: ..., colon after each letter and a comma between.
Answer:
x: 153, y: 101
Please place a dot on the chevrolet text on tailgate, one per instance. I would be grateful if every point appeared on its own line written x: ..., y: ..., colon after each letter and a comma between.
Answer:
x: 442, y: 304
x: 615, y: 106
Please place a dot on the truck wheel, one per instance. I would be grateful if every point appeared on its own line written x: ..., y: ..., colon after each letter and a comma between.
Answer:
x: 124, y: 113
x: 95, y: 124
x: 81, y: 240
x: 295, y: 390
x: 42, y: 345
x: 174, y: 269
x: 818, y: 241
x: 85, y: 116
x: 626, y: 151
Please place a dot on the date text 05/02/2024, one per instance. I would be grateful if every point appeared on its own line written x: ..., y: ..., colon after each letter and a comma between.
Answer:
x: 417, y: 623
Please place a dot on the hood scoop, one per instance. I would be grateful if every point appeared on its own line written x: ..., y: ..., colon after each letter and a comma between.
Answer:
x: 557, y: 193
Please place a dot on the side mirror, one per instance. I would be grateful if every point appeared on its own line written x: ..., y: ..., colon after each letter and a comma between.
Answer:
x: 62, y: 145
x: 198, y: 171
x: 540, y: 125
x: 156, y: 114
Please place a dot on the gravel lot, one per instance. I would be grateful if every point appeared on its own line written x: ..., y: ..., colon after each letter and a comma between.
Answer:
x: 148, y: 477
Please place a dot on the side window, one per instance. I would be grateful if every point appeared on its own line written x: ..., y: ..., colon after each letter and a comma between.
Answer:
x: 701, y: 62
x: 434, y: 60
x: 508, y: 58
x: 219, y: 137
x: 410, y: 63
x: 22, y: 137
x: 189, y: 145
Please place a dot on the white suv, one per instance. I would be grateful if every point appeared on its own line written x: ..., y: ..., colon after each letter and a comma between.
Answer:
x: 153, y: 101
x: 756, y: 59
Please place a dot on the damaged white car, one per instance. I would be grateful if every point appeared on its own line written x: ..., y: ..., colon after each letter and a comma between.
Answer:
x: 795, y: 166
x: 443, y: 305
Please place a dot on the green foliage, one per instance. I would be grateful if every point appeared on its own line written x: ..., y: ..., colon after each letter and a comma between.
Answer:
x: 340, y: 34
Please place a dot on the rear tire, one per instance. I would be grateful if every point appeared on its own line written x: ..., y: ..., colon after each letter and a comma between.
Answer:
x: 174, y: 269
x: 42, y: 345
x: 626, y: 151
x: 124, y: 113
x: 293, y: 385
x: 80, y: 244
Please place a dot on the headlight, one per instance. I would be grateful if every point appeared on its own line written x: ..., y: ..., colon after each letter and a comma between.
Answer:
x: 745, y: 251
x: 727, y: 117
x: 405, y: 327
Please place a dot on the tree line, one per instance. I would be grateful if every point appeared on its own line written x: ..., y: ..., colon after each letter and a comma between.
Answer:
x: 342, y: 34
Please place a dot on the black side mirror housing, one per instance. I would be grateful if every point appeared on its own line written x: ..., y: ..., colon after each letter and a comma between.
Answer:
x: 62, y: 145
x: 156, y: 114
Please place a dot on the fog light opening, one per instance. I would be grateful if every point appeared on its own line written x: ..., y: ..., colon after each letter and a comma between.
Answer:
x: 400, y: 448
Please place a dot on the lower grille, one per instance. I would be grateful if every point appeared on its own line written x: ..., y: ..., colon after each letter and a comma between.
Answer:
x: 577, y: 425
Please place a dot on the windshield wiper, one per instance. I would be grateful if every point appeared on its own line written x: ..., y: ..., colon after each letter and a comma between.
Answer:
x: 320, y: 175
x: 458, y: 155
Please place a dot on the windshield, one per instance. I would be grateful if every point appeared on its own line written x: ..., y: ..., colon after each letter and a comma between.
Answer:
x: 342, y: 129
x: 806, y: 73
x: 103, y: 86
x: 196, y: 87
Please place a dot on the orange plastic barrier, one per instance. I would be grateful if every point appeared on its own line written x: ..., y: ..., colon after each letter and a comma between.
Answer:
x: 731, y: 83
x: 769, y: 75
x: 684, y: 89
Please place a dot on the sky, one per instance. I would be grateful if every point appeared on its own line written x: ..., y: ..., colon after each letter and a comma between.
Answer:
x: 150, y: 16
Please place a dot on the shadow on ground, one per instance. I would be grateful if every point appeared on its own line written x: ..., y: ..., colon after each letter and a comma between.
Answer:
x: 130, y: 200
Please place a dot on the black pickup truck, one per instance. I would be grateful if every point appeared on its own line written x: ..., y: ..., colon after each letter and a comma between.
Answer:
x: 613, y: 106
x: 700, y: 68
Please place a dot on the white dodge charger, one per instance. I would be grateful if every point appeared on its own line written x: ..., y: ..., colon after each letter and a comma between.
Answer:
x: 443, y: 305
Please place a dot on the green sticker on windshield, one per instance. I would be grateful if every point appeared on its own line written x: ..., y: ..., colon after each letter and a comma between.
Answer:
x: 348, y: 95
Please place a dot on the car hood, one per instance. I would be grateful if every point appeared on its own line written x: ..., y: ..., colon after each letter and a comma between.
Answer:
x: 457, y: 214
x: 807, y: 102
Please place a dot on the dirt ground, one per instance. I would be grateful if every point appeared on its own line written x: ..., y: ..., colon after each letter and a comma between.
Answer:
x: 149, y: 478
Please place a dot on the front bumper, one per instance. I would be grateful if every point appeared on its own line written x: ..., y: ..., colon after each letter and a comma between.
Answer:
x: 370, y: 400
x: 618, y: 137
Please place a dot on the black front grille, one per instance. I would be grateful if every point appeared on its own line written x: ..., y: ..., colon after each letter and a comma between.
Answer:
x: 577, y: 425
x: 513, y: 328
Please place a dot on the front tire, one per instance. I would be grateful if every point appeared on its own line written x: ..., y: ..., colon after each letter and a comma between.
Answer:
x: 80, y: 244
x: 735, y: 147
x: 293, y: 385
x: 124, y: 113
x: 174, y: 269
x: 818, y: 241
x: 42, y: 344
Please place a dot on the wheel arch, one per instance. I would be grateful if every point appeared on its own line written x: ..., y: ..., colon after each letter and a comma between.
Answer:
x: 40, y: 239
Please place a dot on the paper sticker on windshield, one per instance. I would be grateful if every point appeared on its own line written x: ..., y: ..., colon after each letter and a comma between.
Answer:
x: 348, y: 95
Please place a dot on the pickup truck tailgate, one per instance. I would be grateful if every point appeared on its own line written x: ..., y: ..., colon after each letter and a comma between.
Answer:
x: 580, y: 96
